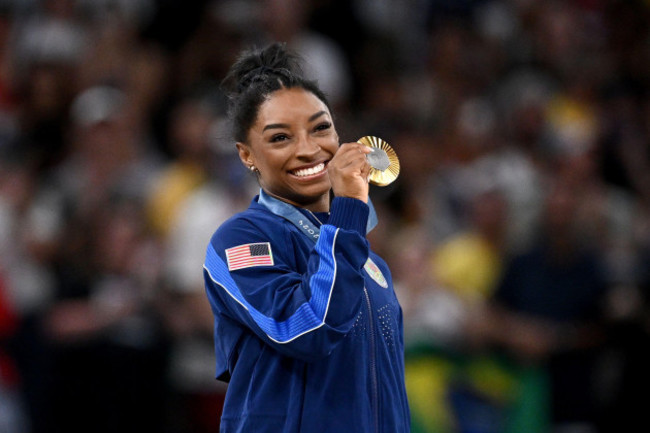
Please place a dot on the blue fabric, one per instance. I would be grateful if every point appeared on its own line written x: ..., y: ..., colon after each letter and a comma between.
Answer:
x: 311, y: 343
x: 308, y: 316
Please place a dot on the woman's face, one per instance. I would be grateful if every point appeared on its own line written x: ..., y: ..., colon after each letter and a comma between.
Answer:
x: 290, y: 144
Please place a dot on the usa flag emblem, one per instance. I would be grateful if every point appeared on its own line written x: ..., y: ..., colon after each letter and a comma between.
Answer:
x: 249, y: 255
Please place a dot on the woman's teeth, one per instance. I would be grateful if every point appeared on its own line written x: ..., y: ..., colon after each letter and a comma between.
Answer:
x: 310, y: 171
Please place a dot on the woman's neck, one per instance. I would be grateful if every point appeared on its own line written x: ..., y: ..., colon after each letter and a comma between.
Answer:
x: 322, y: 204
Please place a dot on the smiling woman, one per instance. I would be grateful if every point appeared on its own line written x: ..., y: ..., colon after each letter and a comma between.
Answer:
x: 290, y: 144
x: 308, y: 330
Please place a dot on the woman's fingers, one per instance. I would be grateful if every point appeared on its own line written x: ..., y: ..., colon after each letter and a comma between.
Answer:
x: 349, y: 170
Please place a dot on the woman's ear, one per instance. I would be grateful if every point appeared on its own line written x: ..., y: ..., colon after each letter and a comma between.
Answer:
x: 245, y: 155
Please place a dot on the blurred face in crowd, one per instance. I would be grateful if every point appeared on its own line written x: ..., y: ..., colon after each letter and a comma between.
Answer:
x: 489, y: 214
x: 561, y: 216
x: 190, y: 130
x: 290, y: 144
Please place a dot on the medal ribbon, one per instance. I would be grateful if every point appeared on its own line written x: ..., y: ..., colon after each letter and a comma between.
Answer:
x: 297, y: 218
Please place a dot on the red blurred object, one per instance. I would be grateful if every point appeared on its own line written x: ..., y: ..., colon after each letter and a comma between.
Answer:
x: 8, y: 325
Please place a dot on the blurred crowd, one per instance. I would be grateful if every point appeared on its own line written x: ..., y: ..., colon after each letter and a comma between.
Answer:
x: 518, y: 232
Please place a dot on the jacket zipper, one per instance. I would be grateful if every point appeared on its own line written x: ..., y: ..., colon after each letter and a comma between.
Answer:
x: 373, y: 364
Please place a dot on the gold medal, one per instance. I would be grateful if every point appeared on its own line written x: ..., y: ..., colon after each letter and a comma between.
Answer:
x: 384, y: 165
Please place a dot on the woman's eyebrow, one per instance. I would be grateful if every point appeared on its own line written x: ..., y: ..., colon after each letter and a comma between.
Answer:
x: 284, y: 125
x: 317, y: 115
x: 275, y: 126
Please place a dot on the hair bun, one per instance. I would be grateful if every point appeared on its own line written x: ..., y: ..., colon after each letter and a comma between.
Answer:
x: 259, y: 73
x: 258, y: 64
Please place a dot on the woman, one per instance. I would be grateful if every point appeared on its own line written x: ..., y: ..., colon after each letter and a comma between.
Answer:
x: 308, y: 331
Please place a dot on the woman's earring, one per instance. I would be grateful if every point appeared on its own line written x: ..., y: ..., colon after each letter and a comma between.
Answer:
x: 252, y: 168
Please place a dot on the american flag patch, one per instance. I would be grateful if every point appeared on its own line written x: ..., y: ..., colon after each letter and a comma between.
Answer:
x: 248, y: 255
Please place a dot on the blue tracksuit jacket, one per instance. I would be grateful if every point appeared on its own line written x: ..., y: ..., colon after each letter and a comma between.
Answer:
x: 308, y: 335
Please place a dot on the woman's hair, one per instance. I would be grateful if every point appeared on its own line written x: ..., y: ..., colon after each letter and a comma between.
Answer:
x: 254, y: 76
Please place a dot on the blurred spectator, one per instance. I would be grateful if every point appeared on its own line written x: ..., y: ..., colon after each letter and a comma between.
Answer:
x: 189, y: 132
x: 189, y: 319
x: 26, y: 229
x: 46, y: 49
x: 287, y: 20
x: 8, y: 97
x: 12, y: 416
x: 188, y: 198
x: 26, y: 244
x: 108, y: 359
x: 469, y: 264
x: 477, y: 157
x: 108, y: 153
x: 114, y: 172
x: 225, y: 27
x: 103, y: 317
x: 548, y: 310
x: 121, y: 58
x: 426, y: 313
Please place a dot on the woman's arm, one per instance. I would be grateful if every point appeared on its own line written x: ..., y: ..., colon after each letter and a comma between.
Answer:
x: 302, y: 315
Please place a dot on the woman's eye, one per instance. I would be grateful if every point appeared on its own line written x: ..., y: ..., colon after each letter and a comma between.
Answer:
x: 278, y: 137
x: 323, y: 126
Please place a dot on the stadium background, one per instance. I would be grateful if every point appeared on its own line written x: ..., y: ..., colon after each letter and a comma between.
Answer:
x: 519, y: 125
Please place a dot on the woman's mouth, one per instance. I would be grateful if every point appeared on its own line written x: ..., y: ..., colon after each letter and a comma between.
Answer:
x: 311, y: 171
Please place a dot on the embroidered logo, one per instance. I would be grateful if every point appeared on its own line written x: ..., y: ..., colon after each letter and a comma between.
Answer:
x: 373, y: 270
x: 249, y: 255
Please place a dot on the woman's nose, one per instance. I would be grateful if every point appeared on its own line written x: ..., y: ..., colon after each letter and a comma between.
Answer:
x: 307, y: 147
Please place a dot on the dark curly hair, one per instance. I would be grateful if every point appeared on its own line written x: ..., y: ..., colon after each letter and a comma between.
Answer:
x: 254, y: 76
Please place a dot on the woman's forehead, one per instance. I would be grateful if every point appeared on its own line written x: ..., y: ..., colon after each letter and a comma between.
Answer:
x: 290, y: 105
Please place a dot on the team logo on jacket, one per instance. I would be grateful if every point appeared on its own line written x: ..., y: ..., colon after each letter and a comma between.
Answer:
x: 249, y: 255
x: 373, y: 270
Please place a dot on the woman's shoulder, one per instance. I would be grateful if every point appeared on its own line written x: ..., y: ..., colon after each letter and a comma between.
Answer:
x: 255, y: 224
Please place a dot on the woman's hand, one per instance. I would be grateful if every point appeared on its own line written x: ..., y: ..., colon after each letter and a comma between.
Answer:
x: 349, y: 171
